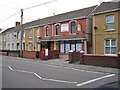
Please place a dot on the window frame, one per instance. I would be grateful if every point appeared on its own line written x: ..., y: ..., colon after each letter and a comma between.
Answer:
x: 46, y: 30
x: 110, y: 46
x: 30, y: 33
x: 71, y: 32
x: 55, y: 29
x: 109, y: 22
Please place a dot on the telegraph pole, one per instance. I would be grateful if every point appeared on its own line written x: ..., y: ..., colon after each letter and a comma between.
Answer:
x: 21, y: 27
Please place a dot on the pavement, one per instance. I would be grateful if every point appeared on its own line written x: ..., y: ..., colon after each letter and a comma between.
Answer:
x: 65, y: 63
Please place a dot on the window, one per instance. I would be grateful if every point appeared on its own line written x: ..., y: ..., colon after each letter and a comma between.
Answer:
x: 79, y: 27
x: 37, y: 32
x: 47, y: 31
x: 64, y: 27
x: 57, y: 29
x: 62, y: 48
x: 67, y: 47
x: 18, y: 34
x: 110, y: 22
x: 30, y: 33
x: 30, y: 46
x: 23, y: 34
x: 18, y: 46
x: 110, y: 46
x: 12, y: 46
x: 73, y: 27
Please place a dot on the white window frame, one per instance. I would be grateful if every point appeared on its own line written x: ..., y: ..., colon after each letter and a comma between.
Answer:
x: 30, y: 46
x: 111, y: 29
x: 37, y: 31
x: 30, y: 33
x: 110, y: 45
x: 48, y: 30
x: 65, y: 27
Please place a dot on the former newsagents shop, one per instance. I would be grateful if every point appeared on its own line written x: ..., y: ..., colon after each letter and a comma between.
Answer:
x: 63, y: 32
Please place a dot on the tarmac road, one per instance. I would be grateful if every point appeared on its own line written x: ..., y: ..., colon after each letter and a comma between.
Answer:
x: 27, y: 73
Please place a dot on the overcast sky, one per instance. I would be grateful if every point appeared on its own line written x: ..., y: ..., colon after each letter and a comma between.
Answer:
x: 10, y: 7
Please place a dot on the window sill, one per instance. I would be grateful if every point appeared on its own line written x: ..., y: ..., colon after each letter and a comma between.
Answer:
x: 110, y: 30
x: 73, y: 33
x: 30, y: 37
x: 57, y: 35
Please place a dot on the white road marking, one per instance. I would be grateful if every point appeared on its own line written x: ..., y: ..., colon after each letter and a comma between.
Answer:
x: 96, y: 79
x: 10, y: 68
x: 37, y: 76
x: 55, y: 80
x: 18, y: 70
x: 23, y: 71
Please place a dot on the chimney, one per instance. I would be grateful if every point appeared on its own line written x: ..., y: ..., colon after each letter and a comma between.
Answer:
x: 17, y: 24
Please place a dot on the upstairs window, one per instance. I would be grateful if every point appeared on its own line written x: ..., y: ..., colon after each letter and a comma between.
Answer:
x: 57, y: 29
x: 110, y: 22
x: 37, y: 32
x: 30, y: 33
x: 47, y: 31
x: 73, y: 27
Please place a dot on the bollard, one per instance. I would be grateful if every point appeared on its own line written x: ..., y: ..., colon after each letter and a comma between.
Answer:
x: 70, y: 56
x: 81, y: 56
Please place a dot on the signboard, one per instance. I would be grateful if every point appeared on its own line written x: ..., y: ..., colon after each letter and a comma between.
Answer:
x: 64, y: 27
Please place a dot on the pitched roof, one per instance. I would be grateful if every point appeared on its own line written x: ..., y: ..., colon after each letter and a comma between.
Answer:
x: 81, y: 13
x: 107, y: 6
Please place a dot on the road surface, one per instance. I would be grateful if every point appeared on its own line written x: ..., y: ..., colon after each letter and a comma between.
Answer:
x: 27, y: 73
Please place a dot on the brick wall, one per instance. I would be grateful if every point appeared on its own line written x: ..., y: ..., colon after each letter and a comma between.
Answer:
x: 29, y: 54
x: 96, y: 60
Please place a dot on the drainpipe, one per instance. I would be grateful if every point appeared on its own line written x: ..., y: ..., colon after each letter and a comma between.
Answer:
x: 85, y: 47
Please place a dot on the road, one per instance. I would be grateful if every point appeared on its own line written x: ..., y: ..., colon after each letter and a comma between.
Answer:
x: 27, y: 73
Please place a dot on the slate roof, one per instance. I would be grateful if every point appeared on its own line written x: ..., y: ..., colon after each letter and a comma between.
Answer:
x: 107, y: 6
x: 81, y: 13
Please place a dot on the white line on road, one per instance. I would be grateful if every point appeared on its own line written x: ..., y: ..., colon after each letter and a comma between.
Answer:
x: 18, y: 70
x: 10, y: 68
x: 93, y: 80
x: 55, y: 80
x: 37, y: 75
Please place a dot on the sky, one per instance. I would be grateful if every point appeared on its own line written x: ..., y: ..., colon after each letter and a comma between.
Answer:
x: 10, y: 9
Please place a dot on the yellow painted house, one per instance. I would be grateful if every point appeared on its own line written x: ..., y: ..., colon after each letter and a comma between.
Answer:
x: 106, y: 28
x: 32, y: 35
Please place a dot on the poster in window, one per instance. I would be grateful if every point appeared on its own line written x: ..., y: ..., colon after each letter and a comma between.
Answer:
x: 73, y: 47
x: 78, y: 47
